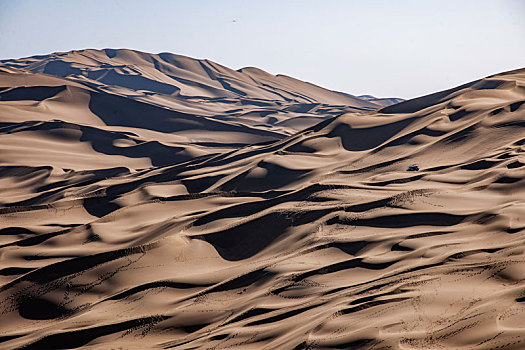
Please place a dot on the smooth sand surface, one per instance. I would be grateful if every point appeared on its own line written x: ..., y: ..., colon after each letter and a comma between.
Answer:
x: 121, y: 228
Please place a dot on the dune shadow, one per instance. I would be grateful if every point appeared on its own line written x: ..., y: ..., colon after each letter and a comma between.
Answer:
x: 247, y: 239
x: 276, y: 176
x: 31, y: 93
x: 367, y: 138
x: 41, y: 309
x: 404, y: 220
x: 104, y: 141
x: 100, y: 206
x: 121, y: 111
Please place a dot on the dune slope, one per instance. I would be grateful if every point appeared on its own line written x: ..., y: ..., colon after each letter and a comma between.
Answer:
x: 317, y: 240
x: 138, y: 110
x: 248, y: 96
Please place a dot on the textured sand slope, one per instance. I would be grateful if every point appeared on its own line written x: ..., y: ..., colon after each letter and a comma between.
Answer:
x: 170, y: 74
x: 248, y: 96
x: 42, y: 116
x: 138, y: 110
x: 318, y: 240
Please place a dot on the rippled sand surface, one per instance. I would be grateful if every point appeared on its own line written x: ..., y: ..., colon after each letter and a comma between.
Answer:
x: 317, y: 240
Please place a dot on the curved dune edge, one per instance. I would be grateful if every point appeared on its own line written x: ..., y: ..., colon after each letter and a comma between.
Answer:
x: 321, y: 239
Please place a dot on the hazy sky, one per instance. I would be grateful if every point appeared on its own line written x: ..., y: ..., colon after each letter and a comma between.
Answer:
x: 402, y: 48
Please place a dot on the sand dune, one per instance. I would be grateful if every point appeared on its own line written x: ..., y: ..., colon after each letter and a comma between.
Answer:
x: 247, y: 96
x: 319, y: 239
x: 193, y: 108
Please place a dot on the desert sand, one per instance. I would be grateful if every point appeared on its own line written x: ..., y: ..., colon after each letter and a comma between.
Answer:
x: 158, y: 201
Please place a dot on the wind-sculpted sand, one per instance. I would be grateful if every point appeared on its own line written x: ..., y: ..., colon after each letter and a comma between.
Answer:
x: 317, y: 240
x: 245, y: 101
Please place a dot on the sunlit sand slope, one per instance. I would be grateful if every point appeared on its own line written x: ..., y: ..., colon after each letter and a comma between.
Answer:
x: 318, y: 240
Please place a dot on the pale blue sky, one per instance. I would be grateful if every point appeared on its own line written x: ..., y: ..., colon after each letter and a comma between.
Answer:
x: 402, y: 48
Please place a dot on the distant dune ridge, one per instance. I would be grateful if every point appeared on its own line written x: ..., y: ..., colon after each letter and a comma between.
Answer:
x: 193, y: 107
x: 157, y: 201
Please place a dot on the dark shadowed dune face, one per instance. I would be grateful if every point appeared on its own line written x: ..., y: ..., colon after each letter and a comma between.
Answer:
x: 30, y: 93
x: 135, y: 217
